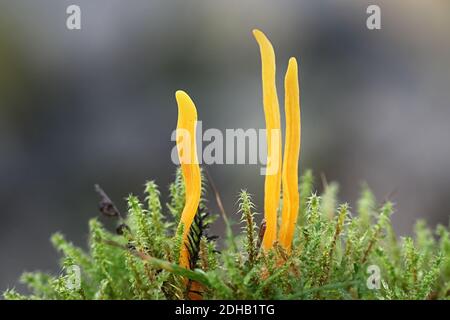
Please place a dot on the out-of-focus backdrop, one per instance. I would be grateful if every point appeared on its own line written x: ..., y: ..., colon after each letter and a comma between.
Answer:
x: 97, y: 105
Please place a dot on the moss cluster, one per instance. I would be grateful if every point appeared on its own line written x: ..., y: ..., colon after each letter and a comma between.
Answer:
x: 335, y: 255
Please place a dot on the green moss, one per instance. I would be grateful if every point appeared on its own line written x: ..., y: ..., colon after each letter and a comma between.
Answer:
x: 332, y: 256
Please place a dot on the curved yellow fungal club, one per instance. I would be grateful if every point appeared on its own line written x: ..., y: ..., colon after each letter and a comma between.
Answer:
x: 272, y: 186
x: 291, y: 156
x: 187, y: 153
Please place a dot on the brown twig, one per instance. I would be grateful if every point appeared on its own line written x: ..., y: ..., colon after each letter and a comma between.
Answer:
x: 391, y: 195
x: 262, y: 230
x: 106, y: 206
x: 324, y: 180
x: 216, y: 195
x: 162, y: 264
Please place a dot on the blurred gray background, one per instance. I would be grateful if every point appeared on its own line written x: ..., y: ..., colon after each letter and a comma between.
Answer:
x: 97, y: 105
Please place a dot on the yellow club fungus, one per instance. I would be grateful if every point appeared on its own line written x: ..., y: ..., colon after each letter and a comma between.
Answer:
x: 187, y: 153
x: 287, y: 176
x: 277, y: 174
x: 291, y: 156
x: 272, y: 187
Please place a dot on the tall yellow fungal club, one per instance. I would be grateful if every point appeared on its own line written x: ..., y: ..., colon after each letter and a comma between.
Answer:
x: 272, y: 186
x: 187, y: 154
x: 291, y: 156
